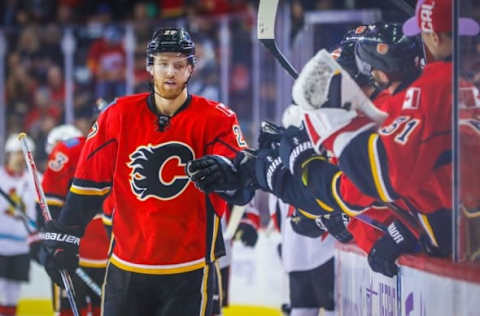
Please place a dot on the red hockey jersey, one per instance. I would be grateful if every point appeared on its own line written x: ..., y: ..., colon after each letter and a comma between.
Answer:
x: 162, y: 223
x: 406, y: 161
x: 411, y: 149
x: 56, y: 181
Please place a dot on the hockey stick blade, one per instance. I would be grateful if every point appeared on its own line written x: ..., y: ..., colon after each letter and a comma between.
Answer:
x: 271, y: 45
x: 267, y: 11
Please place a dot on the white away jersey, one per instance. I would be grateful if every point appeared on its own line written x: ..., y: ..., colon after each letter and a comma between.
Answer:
x: 13, y: 234
x: 300, y: 253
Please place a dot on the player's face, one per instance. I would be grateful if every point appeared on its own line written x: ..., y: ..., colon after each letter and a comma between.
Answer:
x: 439, y: 45
x: 170, y: 73
x: 15, y: 161
x: 429, y: 41
x: 380, y: 78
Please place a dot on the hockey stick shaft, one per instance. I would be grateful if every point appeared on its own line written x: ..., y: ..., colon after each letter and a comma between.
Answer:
x: 235, y: 219
x: 410, y: 221
x: 371, y: 222
x: 267, y: 11
x: 404, y: 6
x: 88, y: 281
x: 42, y: 201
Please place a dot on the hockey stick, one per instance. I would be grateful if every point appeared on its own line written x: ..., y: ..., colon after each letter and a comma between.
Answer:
x: 27, y: 221
x: 88, y: 281
x: 235, y: 218
x: 404, y: 216
x: 30, y: 223
x: 267, y: 11
x: 371, y: 222
x: 404, y: 6
x: 42, y: 201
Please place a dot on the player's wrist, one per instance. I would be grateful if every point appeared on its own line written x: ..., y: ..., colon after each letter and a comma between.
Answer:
x: 295, y: 149
x: 268, y: 170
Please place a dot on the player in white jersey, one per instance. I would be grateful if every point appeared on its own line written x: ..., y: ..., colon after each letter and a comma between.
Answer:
x: 17, y: 213
x: 309, y: 264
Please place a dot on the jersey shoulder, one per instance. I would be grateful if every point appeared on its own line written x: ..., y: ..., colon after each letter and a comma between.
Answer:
x: 381, y: 101
x: 210, y: 109
x: 435, y: 75
x: 125, y: 104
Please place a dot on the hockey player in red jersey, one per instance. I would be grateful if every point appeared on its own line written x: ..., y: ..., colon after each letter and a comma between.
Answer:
x: 64, y: 144
x: 166, y: 231
x: 274, y: 176
x: 407, y: 160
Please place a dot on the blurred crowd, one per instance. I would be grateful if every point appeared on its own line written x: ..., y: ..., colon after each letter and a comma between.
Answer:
x: 34, y: 61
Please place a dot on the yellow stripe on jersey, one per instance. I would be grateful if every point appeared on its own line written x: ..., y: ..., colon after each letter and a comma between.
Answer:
x: 338, y: 199
x: 89, y: 263
x: 203, y: 306
x: 102, y: 298
x: 157, y: 269
x: 305, y: 170
x: 306, y: 214
x: 106, y: 220
x: 219, y: 282
x: 51, y: 201
x: 216, y: 224
x: 376, y: 169
x: 324, y: 205
x: 428, y: 228
x: 89, y: 190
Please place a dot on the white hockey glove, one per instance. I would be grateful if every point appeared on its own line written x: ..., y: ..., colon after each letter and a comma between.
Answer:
x: 292, y: 116
x: 324, y: 83
x: 331, y: 102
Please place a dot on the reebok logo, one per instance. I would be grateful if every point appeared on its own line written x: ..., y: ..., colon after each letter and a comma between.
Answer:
x: 395, y: 234
x: 61, y: 237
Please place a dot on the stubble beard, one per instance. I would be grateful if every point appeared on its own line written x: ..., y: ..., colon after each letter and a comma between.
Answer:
x: 170, y: 94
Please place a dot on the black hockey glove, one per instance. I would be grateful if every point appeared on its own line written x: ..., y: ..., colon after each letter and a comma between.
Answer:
x: 386, y: 250
x: 305, y: 226
x: 59, y: 249
x: 270, y: 135
x: 247, y: 234
x: 336, y: 225
x: 441, y: 224
x: 269, y: 171
x: 295, y: 148
x: 245, y: 162
x: 213, y: 173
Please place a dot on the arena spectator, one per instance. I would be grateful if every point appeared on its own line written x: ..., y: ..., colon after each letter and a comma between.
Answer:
x: 106, y: 60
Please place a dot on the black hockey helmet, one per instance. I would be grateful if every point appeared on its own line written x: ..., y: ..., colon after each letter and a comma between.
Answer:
x: 384, y: 47
x: 173, y: 39
x: 345, y: 55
